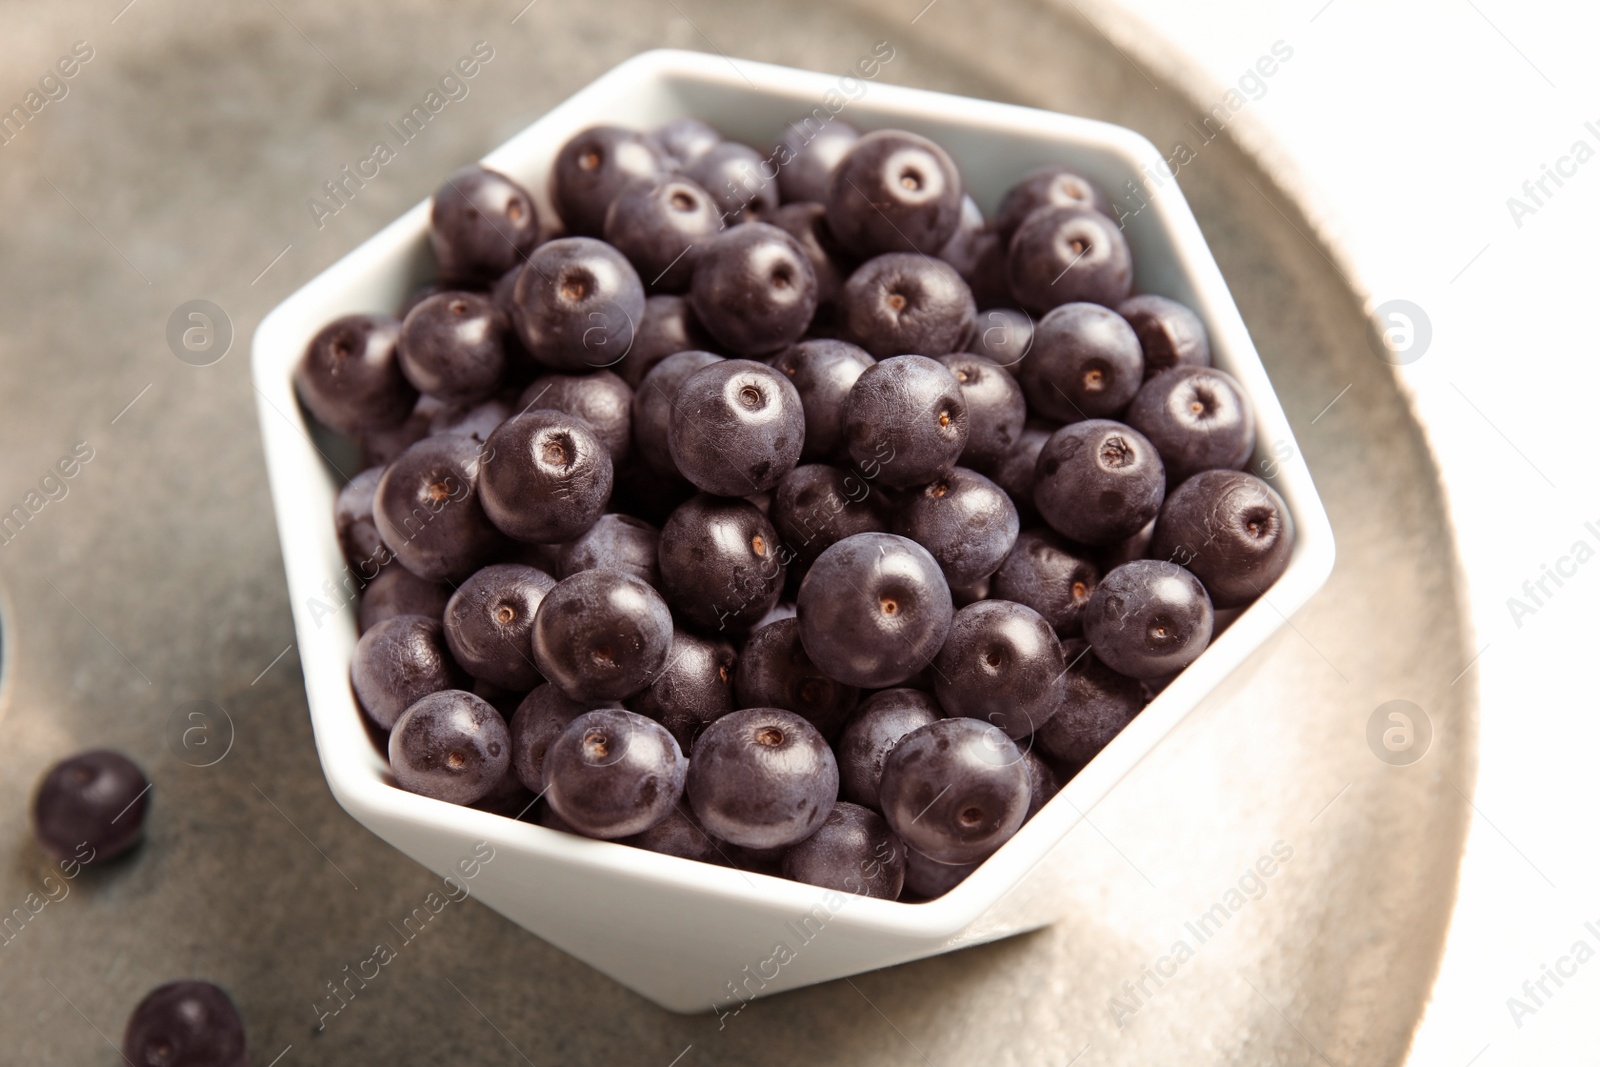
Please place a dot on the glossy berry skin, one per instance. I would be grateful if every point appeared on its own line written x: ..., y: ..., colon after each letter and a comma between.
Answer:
x: 450, y: 346
x: 929, y: 879
x: 1004, y: 335
x: 363, y: 549
x: 753, y: 289
x: 1148, y: 618
x: 1050, y: 576
x: 1002, y: 664
x: 1098, y: 704
x: 1169, y: 333
x: 187, y: 1023
x: 475, y: 420
x: 595, y: 166
x: 612, y: 773
x: 90, y: 806
x: 894, y: 192
x: 905, y: 421
x: 653, y: 402
x: 903, y: 303
x: 816, y: 506
x: 996, y: 409
x: 1198, y: 419
x: 1015, y: 470
x: 680, y: 834
x: 482, y: 224
x: 668, y: 326
x: 965, y: 521
x: 428, y: 510
x: 1107, y: 465
x: 775, y: 672
x: 735, y: 177
x: 1049, y: 186
x: 822, y: 373
x: 736, y: 428
x: 546, y: 477
x: 1231, y: 530
x: 450, y: 746
x: 601, y: 399
x: 682, y: 141
x: 762, y: 778
x: 576, y: 304
x: 537, y: 721
x: 1085, y: 364
x: 656, y: 226
x: 1065, y: 255
x: 875, y: 727
x: 488, y: 621
x: 396, y: 591
x: 615, y: 543
x: 601, y: 635
x: 874, y: 610
x: 807, y: 222
x: 854, y: 851
x: 955, y: 790
x: 806, y: 155
x: 720, y: 565
x: 398, y: 662
x: 349, y: 376
x: 694, y: 688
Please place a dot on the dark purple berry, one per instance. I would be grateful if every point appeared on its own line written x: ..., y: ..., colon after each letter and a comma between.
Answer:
x: 902, y: 303
x: 188, y: 1023
x: 1004, y: 335
x: 379, y: 448
x: 653, y: 401
x: 595, y: 166
x: 1197, y: 418
x: 854, y: 851
x: 450, y: 746
x: 894, y: 192
x: 807, y: 223
x: 1148, y: 618
x: 1065, y: 255
x: 737, y: 179
x: 753, y: 289
x: 682, y: 141
x: 1050, y: 576
x: 929, y: 879
x: 576, y: 304
x: 905, y: 421
x: 1098, y: 704
x: 1045, y: 187
x: 1015, y: 470
x: 694, y: 688
x: 90, y: 807
x: 350, y: 375
x: 966, y: 522
x: 1169, y: 333
x: 398, y: 662
x: 996, y: 410
x: 720, y: 565
x: 680, y: 834
x: 872, y: 731
x: 762, y: 778
x: 736, y: 428
x: 806, y: 154
x: 612, y: 773
x: 955, y: 790
x: 363, y: 548
x: 538, y: 721
x: 488, y: 622
x: 816, y: 506
x: 658, y: 226
x: 450, y: 346
x: 822, y: 372
x: 396, y: 591
x: 482, y: 225
x: 546, y: 477
x: 601, y: 399
x: 428, y: 509
x: 874, y: 610
x: 1002, y: 664
x: 668, y: 326
x: 475, y: 420
x: 615, y: 543
x: 1043, y: 783
x: 1085, y: 364
x: 1098, y: 482
x: 775, y: 672
x: 1231, y: 530
x: 601, y: 635
x: 970, y: 243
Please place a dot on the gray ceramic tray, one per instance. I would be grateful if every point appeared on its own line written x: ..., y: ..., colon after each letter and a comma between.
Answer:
x: 149, y: 612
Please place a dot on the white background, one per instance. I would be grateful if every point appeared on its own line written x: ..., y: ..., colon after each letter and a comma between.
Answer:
x: 1411, y: 125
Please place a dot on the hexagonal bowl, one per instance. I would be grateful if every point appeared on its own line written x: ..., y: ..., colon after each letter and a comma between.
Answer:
x: 690, y: 936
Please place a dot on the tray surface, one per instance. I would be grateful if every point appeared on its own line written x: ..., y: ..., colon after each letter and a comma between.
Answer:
x: 153, y: 591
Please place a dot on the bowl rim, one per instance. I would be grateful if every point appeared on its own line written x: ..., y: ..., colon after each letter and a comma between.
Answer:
x: 357, y: 778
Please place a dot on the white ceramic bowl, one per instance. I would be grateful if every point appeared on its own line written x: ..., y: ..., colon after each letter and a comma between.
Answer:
x: 691, y: 936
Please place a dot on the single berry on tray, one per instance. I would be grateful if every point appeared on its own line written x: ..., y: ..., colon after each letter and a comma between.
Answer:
x: 1067, y: 254
x: 658, y: 226
x: 429, y: 511
x: 90, y: 806
x: 482, y: 223
x: 188, y: 1023
x: 1198, y: 419
x: 902, y: 303
x: 576, y: 304
x: 350, y: 378
x: 753, y: 289
x: 451, y: 347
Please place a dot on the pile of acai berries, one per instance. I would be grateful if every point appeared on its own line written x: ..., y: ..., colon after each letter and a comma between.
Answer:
x: 716, y: 519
